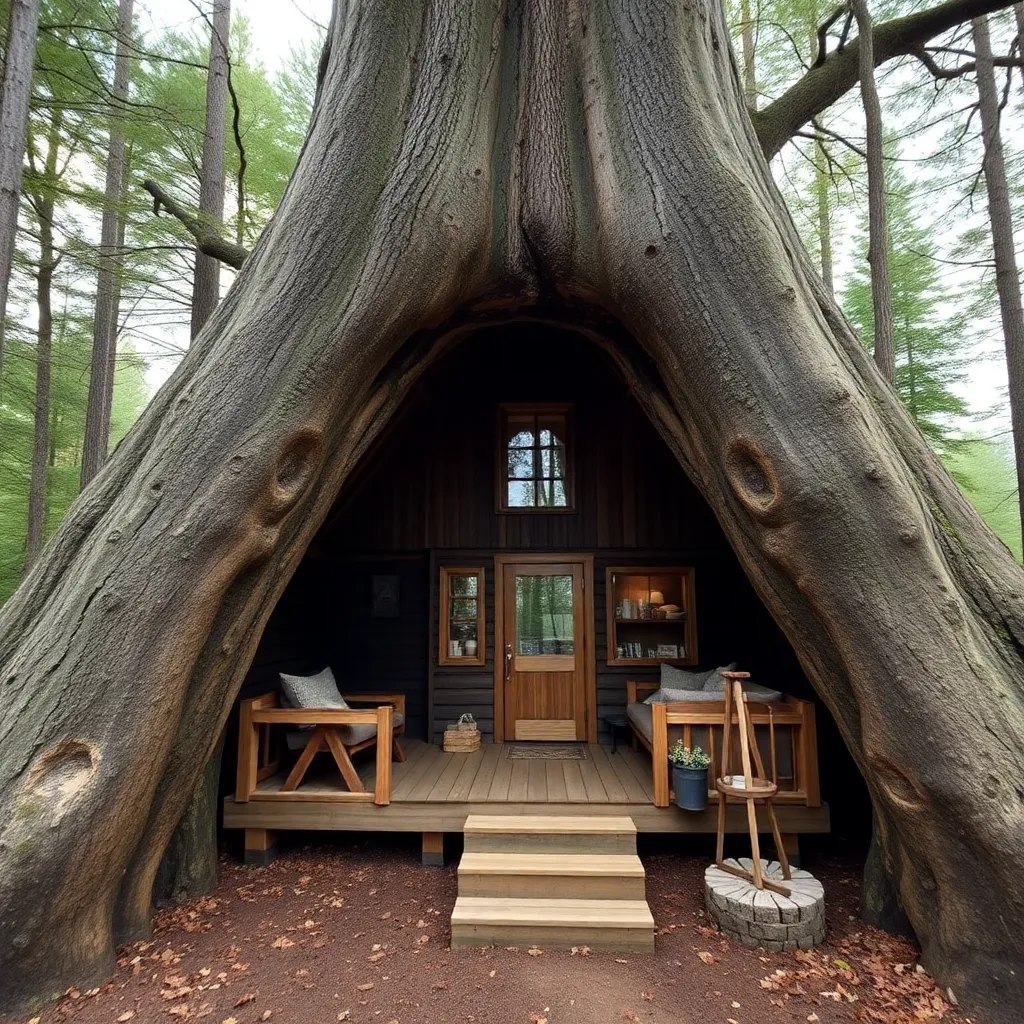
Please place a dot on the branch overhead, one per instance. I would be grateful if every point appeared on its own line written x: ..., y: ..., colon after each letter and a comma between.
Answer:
x: 832, y: 77
x: 207, y: 240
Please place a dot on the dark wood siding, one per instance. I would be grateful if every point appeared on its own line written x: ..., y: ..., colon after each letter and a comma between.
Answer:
x: 425, y: 495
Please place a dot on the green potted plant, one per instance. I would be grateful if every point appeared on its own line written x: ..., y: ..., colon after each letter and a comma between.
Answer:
x: 689, y: 776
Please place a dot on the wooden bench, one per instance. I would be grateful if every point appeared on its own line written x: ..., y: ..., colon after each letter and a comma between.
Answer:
x: 791, y: 712
x: 259, y: 752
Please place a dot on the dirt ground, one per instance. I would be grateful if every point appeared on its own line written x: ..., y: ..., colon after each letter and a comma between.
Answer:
x: 352, y: 928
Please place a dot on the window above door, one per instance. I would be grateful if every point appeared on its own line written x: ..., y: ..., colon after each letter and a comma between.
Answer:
x: 535, y: 459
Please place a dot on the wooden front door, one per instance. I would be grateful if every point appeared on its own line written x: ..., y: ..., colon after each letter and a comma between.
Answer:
x: 544, y: 647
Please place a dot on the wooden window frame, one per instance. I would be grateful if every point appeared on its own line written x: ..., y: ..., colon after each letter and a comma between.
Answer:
x: 686, y: 573
x: 444, y: 615
x: 501, y: 469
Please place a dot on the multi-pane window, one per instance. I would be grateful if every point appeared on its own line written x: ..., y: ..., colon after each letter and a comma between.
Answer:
x: 535, y: 471
x: 461, y: 632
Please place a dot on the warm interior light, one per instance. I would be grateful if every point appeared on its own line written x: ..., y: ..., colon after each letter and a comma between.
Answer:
x: 657, y: 597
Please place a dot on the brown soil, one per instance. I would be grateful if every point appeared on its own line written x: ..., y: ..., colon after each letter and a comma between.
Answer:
x: 354, y: 929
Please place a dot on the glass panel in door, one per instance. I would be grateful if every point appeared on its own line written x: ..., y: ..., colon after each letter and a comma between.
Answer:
x: 544, y: 615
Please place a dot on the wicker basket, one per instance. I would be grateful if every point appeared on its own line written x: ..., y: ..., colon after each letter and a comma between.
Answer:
x: 462, y: 738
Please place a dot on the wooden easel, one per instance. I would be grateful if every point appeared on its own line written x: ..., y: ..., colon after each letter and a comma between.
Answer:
x: 755, y: 788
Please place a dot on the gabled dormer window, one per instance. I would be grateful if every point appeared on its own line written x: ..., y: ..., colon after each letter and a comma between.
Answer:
x: 535, y: 470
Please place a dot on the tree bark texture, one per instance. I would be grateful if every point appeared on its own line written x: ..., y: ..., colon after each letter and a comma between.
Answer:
x: 105, y: 319
x: 189, y: 865
x: 1000, y: 216
x: 878, y: 223
x: 479, y: 162
x: 206, y: 283
x: 15, y: 93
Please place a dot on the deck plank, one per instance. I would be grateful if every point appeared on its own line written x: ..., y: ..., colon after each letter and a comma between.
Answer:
x: 485, y: 776
x: 615, y: 790
x: 519, y: 783
x: 640, y: 766
x: 446, y: 780
x: 575, y: 791
x: 498, y: 792
x: 537, y: 782
x: 596, y: 793
x: 635, y: 792
x: 406, y: 775
x: 428, y: 775
x: 464, y: 780
x: 555, y: 771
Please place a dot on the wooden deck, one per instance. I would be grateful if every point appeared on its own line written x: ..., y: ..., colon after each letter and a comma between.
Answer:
x: 434, y: 791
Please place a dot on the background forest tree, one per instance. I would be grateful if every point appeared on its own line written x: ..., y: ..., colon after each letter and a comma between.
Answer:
x: 74, y: 108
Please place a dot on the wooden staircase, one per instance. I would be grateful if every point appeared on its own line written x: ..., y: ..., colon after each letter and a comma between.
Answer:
x: 549, y: 880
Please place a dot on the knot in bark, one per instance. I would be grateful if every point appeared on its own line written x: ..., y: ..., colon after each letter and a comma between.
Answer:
x: 753, y: 479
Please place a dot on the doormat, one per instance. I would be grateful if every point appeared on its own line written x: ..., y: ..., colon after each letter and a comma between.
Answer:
x: 548, y: 751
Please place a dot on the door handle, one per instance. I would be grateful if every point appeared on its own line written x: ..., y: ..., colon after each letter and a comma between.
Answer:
x: 508, y: 663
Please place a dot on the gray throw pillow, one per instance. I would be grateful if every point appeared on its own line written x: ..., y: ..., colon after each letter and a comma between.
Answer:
x: 680, y: 679
x: 714, y: 681
x: 312, y: 692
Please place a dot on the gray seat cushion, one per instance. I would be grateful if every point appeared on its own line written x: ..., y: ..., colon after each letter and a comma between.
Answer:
x: 351, y: 735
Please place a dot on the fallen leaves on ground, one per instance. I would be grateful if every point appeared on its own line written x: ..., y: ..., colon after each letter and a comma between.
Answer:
x: 282, y: 943
x: 873, y: 970
x: 706, y: 957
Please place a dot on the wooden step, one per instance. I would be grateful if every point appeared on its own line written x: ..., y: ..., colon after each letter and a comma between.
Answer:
x: 548, y: 833
x: 624, y: 926
x: 582, y: 876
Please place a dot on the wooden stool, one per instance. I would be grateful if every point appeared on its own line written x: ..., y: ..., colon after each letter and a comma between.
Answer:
x: 756, y: 788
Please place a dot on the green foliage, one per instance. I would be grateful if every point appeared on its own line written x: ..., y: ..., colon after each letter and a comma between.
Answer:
x: 687, y: 757
x: 985, y: 471
x: 928, y: 332
x: 163, y: 125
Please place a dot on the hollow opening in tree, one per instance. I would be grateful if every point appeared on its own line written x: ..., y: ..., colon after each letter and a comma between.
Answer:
x: 419, y: 512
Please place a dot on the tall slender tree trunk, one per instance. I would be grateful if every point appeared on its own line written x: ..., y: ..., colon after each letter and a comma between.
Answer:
x: 748, y: 39
x: 206, y: 284
x: 1000, y: 215
x: 878, y: 247
x: 105, y: 319
x: 43, y: 204
x: 15, y: 93
x: 822, y: 185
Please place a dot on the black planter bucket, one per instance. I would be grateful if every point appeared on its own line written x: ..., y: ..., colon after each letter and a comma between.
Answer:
x: 691, y: 786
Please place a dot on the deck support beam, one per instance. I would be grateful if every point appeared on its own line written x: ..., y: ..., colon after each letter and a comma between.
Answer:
x: 433, y: 849
x: 260, y: 847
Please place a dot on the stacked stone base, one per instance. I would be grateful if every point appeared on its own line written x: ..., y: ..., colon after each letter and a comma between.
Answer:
x: 760, y: 917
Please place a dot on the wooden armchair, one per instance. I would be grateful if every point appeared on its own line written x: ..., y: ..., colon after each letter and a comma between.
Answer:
x: 259, y: 751
x: 788, y: 713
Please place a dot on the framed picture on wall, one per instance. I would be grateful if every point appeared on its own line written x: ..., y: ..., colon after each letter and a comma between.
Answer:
x: 384, y: 603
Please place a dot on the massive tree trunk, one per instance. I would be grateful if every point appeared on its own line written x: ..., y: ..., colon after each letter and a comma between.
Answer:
x: 15, y: 93
x: 470, y: 162
x: 1000, y: 216
x: 108, y: 291
x: 206, y: 282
